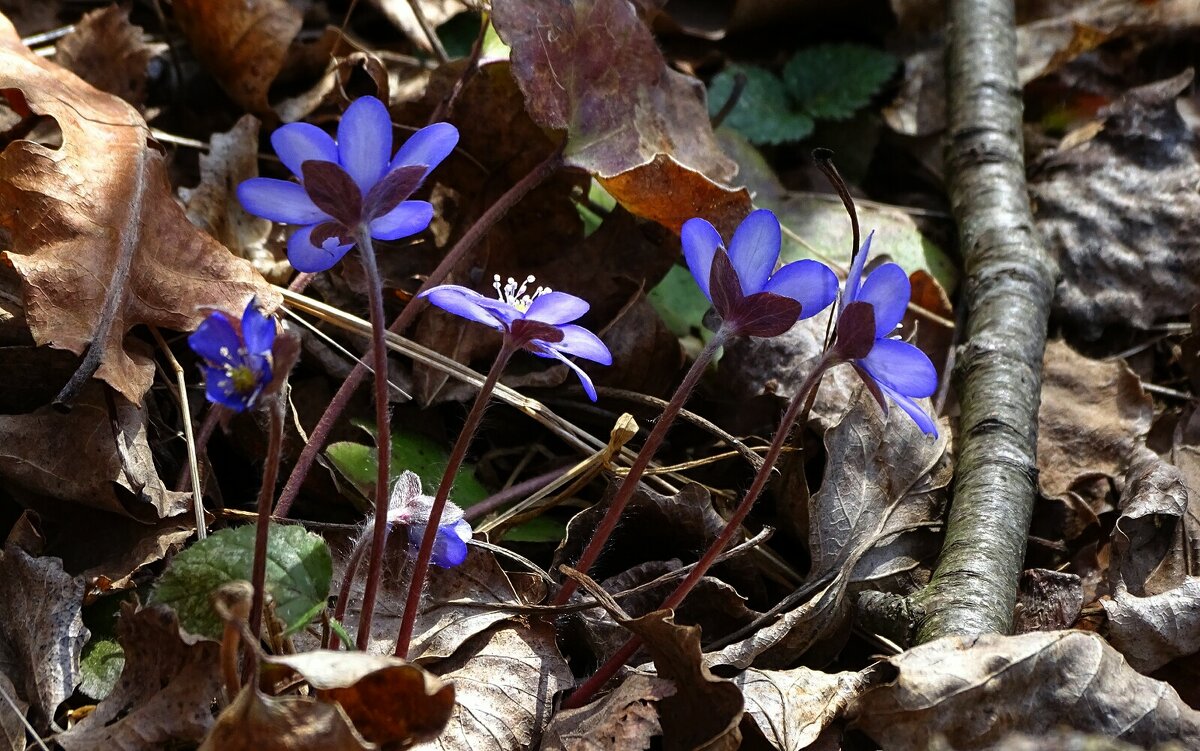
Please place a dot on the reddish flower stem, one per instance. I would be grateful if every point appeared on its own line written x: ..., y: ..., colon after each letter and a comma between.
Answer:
x: 802, y: 400
x: 343, y: 600
x: 485, y: 222
x: 640, y: 463
x: 258, y: 571
x: 421, y: 568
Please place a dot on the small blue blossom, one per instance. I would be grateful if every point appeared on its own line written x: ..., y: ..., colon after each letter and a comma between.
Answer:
x: 868, y: 316
x: 409, y: 507
x: 539, y: 320
x: 237, y: 356
x: 348, y: 184
x: 749, y: 294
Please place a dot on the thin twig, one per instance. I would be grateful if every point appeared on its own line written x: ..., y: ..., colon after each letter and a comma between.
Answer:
x: 185, y: 413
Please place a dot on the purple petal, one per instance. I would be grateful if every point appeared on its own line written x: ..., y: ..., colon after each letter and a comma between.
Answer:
x: 588, y: 387
x: 215, y: 339
x: 556, y: 308
x: 449, y: 548
x: 467, y: 303
x: 901, y: 367
x: 304, y: 256
x: 365, y: 141
x: 754, y: 249
x: 809, y: 283
x: 887, y: 289
x: 700, y: 242
x: 408, y: 218
x: 297, y: 143
x: 854, y: 277
x: 279, y: 201
x: 428, y: 147
x: 919, y: 416
x: 580, y: 342
x: 258, y: 330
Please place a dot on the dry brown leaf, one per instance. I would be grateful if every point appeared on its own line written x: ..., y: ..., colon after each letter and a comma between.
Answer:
x: 109, y: 231
x: 1093, y: 416
x: 1047, y: 601
x: 505, y: 682
x: 12, y: 730
x: 592, y: 68
x: 165, y: 693
x: 1043, y: 46
x: 388, y: 701
x: 109, y: 52
x: 1152, y: 631
x: 975, y: 691
x: 624, y: 720
x: 792, y: 708
x: 256, y: 722
x: 243, y: 43
x: 213, y: 205
x: 436, y: 12
x: 74, y: 457
x: 1118, y: 213
x: 705, y: 711
x: 41, y: 630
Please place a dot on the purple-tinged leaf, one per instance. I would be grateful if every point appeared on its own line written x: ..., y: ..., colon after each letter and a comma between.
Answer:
x: 724, y: 285
x: 396, y: 186
x: 333, y: 191
x: 331, y: 231
x: 764, y: 314
x: 856, y: 331
x: 525, y: 331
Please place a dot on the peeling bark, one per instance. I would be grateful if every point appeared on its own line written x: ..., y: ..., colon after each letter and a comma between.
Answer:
x: 1009, y: 284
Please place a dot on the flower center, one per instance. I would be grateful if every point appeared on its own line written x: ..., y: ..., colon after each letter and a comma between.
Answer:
x: 516, y: 295
x: 241, y: 379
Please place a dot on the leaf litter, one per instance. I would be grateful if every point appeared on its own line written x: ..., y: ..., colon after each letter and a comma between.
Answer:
x: 123, y: 143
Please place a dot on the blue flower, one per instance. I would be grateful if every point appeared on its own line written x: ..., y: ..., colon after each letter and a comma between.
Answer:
x: 410, y: 507
x: 749, y: 295
x: 347, y: 184
x: 237, y: 356
x: 540, y: 321
x: 868, y: 315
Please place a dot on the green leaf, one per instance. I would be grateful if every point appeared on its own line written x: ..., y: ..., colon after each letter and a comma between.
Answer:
x: 833, y: 81
x: 299, y: 569
x: 763, y: 112
x: 100, y: 667
x: 411, y: 451
x: 680, y: 303
x: 458, y: 34
x: 540, y: 529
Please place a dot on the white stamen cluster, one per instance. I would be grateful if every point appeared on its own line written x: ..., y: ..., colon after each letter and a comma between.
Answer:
x: 517, y: 295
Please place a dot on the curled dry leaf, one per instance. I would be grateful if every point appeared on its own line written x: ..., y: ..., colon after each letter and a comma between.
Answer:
x: 1033, y: 683
x: 388, y: 701
x: 257, y: 722
x: 705, y: 710
x: 792, y: 708
x: 624, y: 720
x: 243, y: 43
x: 111, y: 249
x: 1118, y: 212
x: 505, y: 682
x: 74, y: 457
x: 41, y: 630
x: 109, y: 52
x: 1154, y: 612
x: 1093, y: 416
x: 592, y: 68
x: 213, y: 206
x: 1047, y: 601
x: 164, y: 695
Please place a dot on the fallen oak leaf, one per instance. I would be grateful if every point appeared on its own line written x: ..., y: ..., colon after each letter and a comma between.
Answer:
x: 592, y: 68
x: 625, y: 719
x: 257, y: 722
x: 111, y: 248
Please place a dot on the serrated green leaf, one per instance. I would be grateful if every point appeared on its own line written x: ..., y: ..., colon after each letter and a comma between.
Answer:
x: 100, y: 667
x: 412, y: 451
x: 763, y: 112
x: 299, y: 569
x: 833, y: 81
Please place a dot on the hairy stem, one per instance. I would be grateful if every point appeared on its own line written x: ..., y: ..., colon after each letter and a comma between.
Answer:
x: 258, y: 572
x: 801, y: 401
x: 421, y: 568
x: 630, y: 482
x: 383, y: 436
x: 485, y: 222
x: 343, y: 599
x: 1009, y: 283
